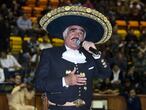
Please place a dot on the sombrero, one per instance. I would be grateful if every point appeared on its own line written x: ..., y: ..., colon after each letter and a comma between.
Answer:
x: 97, y: 26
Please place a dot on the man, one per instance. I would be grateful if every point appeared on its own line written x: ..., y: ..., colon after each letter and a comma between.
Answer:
x: 9, y: 64
x: 65, y: 73
x: 20, y: 93
x: 24, y: 25
x: 132, y: 100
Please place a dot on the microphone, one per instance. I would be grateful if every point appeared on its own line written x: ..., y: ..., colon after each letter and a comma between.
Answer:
x: 94, y: 51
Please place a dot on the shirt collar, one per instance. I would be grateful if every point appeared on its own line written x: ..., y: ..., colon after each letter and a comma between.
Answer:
x: 73, y: 55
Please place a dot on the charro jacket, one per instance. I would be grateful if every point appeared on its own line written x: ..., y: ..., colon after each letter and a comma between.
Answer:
x: 52, y: 68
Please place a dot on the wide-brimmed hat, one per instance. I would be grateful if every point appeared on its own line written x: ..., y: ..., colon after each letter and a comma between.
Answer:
x: 97, y: 26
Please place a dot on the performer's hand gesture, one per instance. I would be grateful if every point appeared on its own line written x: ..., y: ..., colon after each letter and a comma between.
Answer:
x: 75, y: 79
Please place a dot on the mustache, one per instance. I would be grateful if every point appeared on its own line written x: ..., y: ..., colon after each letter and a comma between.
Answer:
x: 75, y: 38
x: 77, y: 41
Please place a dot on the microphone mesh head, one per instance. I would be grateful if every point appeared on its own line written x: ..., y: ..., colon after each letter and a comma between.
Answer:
x: 78, y: 42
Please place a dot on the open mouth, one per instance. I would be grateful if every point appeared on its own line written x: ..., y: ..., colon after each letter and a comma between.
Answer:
x: 75, y: 38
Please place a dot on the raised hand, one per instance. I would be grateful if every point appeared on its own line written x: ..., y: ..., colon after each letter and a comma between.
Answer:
x: 87, y: 45
x: 75, y: 79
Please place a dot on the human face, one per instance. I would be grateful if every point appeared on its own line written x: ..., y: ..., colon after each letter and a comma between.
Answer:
x: 3, y: 55
x: 18, y: 79
x: 74, y: 33
x: 132, y: 93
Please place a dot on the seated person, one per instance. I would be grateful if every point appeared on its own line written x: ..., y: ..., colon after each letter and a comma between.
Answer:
x: 9, y: 63
x: 106, y: 88
x: 45, y: 43
x: 117, y: 76
x: 133, y: 101
x: 20, y: 93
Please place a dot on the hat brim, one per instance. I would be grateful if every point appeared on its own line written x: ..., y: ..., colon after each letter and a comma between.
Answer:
x: 98, y: 28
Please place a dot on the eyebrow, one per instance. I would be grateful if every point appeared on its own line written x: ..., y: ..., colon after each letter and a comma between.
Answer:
x: 73, y: 28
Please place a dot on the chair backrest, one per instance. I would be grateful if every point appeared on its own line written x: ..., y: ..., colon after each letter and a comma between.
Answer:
x: 121, y: 24
x: 142, y: 25
x: 31, y: 3
x: 37, y: 11
x: 43, y: 3
x: 133, y: 24
x: 54, y: 3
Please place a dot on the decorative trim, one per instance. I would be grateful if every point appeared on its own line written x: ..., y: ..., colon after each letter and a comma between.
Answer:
x: 79, y: 11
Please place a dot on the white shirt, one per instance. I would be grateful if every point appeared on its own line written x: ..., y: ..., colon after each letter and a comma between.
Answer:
x: 2, y: 76
x: 73, y: 56
x: 9, y: 62
x: 115, y: 76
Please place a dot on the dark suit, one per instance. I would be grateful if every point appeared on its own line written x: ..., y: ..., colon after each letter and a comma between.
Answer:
x: 133, y: 103
x: 52, y: 68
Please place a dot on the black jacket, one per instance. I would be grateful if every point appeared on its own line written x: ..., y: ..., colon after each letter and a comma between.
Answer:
x: 53, y: 67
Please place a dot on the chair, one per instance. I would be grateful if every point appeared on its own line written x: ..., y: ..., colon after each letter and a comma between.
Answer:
x: 57, y: 42
x: 133, y: 24
x: 31, y: 3
x: 121, y: 24
x: 15, y: 40
x: 54, y: 3
x: 42, y: 3
x: 40, y: 39
x: 26, y: 38
x: 33, y: 19
x: 37, y: 11
x: 15, y: 44
x: 142, y: 25
x: 27, y: 10
x: 137, y: 33
x: 122, y: 33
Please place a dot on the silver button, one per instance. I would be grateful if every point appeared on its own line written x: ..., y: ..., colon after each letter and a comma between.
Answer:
x: 102, y: 60
x: 85, y: 88
x: 105, y: 66
x: 104, y: 63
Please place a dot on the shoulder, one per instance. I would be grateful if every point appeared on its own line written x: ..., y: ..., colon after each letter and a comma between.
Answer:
x: 10, y: 56
x: 53, y: 50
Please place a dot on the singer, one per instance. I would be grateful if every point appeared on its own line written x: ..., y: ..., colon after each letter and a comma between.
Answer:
x: 65, y: 73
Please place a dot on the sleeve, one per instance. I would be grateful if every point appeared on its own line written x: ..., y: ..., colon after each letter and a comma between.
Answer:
x: 15, y: 62
x: 64, y: 83
x: 15, y: 89
x: 44, y: 80
x: 102, y: 67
